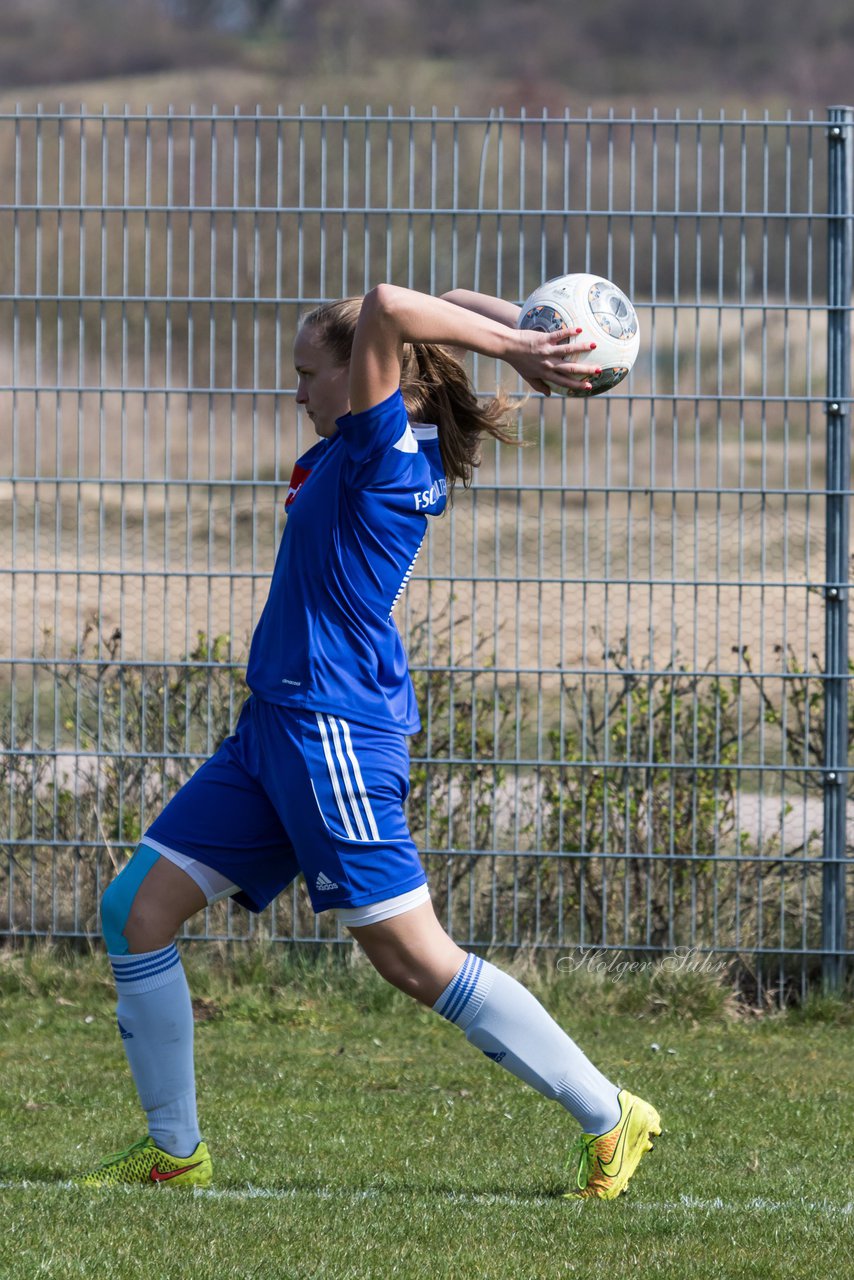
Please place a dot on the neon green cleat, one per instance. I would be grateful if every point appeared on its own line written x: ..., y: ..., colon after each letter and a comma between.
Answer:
x: 144, y: 1164
x: 604, y: 1164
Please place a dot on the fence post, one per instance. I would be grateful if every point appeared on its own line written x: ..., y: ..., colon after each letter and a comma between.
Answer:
x: 840, y: 250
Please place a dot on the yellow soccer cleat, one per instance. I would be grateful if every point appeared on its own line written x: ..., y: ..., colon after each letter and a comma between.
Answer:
x: 144, y: 1164
x: 604, y: 1164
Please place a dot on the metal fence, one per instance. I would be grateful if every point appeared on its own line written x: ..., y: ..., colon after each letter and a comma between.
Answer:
x: 629, y: 638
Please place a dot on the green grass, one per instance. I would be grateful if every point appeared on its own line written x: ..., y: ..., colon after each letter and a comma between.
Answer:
x: 357, y: 1135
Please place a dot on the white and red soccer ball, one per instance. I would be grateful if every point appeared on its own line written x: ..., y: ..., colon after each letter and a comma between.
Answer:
x: 602, y: 312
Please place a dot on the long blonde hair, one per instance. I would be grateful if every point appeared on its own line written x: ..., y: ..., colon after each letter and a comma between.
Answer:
x: 435, y: 387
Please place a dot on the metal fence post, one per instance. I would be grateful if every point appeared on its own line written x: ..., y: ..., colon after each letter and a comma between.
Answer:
x: 840, y: 250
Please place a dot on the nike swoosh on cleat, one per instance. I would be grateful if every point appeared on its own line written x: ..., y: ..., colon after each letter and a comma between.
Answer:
x: 613, y: 1166
x: 157, y: 1176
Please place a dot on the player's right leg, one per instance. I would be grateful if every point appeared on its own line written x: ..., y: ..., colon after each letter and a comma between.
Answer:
x: 218, y: 832
x: 141, y: 911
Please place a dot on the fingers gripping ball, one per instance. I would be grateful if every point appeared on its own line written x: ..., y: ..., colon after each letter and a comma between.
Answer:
x: 602, y: 312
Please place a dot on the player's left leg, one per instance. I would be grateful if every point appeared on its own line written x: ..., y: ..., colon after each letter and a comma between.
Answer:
x: 497, y: 1014
x: 410, y: 950
x: 502, y: 1018
x: 340, y: 790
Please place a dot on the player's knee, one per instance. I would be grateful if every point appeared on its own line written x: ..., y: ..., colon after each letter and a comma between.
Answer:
x: 118, y: 898
x: 114, y: 913
x: 418, y: 977
x: 412, y: 952
x: 391, y: 968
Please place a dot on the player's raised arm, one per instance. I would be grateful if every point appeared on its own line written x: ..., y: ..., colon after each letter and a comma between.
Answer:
x: 484, y: 304
x: 392, y: 316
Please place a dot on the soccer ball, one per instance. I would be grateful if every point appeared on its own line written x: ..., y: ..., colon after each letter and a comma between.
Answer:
x: 604, y: 315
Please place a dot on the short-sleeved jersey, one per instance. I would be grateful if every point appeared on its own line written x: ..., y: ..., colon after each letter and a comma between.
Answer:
x: 357, y: 515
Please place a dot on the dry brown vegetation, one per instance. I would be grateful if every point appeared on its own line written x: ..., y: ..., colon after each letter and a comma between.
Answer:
x: 153, y: 269
x: 611, y: 49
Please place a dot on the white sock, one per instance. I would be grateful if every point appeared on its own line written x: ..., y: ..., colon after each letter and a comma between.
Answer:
x: 155, y: 1016
x: 501, y: 1017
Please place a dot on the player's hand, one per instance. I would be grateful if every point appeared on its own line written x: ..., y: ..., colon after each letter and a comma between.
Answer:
x: 548, y: 360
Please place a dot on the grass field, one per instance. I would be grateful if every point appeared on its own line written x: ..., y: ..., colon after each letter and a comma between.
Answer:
x: 357, y: 1135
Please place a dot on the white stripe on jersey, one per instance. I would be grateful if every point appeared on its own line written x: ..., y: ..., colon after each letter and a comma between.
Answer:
x: 406, y: 576
x: 407, y: 442
x: 333, y: 775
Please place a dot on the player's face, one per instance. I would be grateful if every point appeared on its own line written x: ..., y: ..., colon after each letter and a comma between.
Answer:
x: 323, y: 386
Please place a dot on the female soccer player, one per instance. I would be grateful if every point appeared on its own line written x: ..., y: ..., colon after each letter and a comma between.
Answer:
x: 314, y: 778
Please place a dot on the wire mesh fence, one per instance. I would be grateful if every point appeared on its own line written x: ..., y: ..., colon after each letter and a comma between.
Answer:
x: 623, y: 637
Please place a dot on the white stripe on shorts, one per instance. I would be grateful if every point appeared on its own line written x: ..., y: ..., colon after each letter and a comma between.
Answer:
x: 369, y: 813
x: 353, y: 814
x: 348, y: 783
x: 333, y: 776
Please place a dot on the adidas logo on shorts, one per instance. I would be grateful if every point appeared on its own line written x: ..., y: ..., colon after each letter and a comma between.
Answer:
x: 324, y: 883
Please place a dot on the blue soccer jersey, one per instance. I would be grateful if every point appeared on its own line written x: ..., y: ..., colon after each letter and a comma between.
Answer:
x: 357, y: 515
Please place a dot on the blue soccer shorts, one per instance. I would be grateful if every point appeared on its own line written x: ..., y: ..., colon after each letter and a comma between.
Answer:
x: 295, y: 791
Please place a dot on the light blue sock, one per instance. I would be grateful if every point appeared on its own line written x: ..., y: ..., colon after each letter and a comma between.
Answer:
x: 155, y: 1016
x: 502, y: 1018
